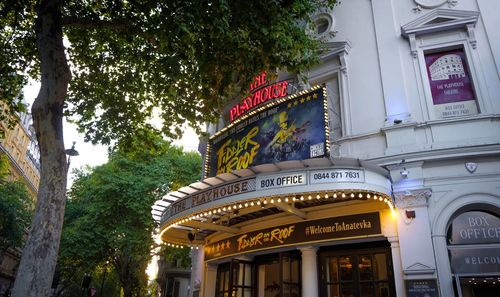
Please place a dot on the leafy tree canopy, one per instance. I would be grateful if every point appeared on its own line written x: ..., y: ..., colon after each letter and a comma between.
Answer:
x: 180, y: 60
x: 108, y: 214
x: 113, y: 65
x: 15, y: 211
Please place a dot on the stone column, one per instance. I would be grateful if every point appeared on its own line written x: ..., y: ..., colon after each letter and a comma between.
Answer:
x: 197, y: 261
x: 209, y: 281
x: 396, y: 264
x: 443, y: 265
x: 309, y: 271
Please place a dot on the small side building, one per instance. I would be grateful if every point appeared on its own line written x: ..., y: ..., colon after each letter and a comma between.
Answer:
x: 21, y: 148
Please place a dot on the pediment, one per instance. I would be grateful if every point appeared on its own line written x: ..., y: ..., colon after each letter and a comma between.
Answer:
x: 439, y: 20
x: 418, y: 268
x: 334, y: 48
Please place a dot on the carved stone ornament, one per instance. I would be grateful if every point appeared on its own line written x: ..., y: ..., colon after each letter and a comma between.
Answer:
x: 419, y: 268
x: 412, y: 198
x: 471, y: 167
x: 440, y: 20
x: 435, y: 3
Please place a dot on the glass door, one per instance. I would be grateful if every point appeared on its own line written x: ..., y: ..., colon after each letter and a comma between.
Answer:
x: 290, y: 274
x: 235, y: 279
x: 268, y: 278
x: 275, y: 275
x: 222, y: 288
x: 242, y: 278
x: 278, y: 275
x: 356, y: 274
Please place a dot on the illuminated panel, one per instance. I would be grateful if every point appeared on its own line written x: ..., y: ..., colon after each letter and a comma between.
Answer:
x: 292, y: 128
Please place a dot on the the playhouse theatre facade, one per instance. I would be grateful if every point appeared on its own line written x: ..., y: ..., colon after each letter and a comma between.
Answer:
x: 380, y: 177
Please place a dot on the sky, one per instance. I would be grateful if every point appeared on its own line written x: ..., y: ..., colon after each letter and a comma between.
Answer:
x: 94, y: 155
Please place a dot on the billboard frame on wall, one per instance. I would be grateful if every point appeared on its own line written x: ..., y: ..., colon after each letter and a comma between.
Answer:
x: 292, y: 128
x: 450, y: 83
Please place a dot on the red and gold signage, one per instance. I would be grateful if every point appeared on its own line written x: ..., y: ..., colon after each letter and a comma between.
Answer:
x: 261, y: 92
x: 311, y: 231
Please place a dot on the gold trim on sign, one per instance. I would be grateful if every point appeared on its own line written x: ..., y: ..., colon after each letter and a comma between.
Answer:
x: 296, y: 244
x: 265, y: 107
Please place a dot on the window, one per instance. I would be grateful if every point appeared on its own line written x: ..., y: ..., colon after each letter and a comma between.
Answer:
x: 291, y: 278
x: 473, y: 239
x: 222, y: 286
x: 274, y: 275
x: 443, y: 45
x: 242, y: 279
x: 234, y: 279
x: 333, y: 73
x: 356, y: 273
x: 323, y: 26
x: 172, y: 287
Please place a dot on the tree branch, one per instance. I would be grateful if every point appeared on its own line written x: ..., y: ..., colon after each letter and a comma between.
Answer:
x: 88, y: 23
x: 116, y: 25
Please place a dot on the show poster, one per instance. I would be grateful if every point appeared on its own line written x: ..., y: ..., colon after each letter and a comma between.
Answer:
x: 450, y: 84
x: 294, y: 128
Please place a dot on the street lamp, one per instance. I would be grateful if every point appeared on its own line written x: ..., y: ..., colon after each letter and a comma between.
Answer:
x: 71, y: 153
x: 103, y: 277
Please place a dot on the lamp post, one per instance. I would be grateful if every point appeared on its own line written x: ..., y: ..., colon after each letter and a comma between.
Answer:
x: 103, y: 277
x: 71, y: 153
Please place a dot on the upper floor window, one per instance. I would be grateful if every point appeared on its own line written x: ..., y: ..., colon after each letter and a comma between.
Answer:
x: 444, y: 47
x: 323, y: 25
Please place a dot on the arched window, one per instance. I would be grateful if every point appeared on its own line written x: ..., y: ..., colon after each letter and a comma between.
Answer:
x: 473, y: 239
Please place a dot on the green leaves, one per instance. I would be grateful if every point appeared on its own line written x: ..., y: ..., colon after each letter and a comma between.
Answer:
x: 175, y: 61
x: 181, y: 59
x: 15, y: 203
x: 108, y: 214
x: 17, y: 55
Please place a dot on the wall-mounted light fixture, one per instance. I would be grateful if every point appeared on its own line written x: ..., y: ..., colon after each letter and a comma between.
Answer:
x: 191, y: 236
x: 404, y: 173
x: 410, y: 214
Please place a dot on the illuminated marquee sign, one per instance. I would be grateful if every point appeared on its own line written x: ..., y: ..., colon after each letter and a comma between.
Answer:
x: 260, y: 93
x: 367, y: 224
x: 265, y: 182
x: 213, y: 194
x: 292, y: 128
x: 281, y: 180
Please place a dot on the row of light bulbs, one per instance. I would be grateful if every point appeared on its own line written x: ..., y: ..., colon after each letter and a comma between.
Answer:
x: 327, y: 121
x: 272, y: 200
x: 181, y: 246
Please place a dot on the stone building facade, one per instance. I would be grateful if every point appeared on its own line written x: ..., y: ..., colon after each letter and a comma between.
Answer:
x: 403, y: 198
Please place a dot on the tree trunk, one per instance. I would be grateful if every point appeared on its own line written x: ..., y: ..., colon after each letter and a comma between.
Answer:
x: 39, y: 257
x: 125, y: 274
x: 127, y: 290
